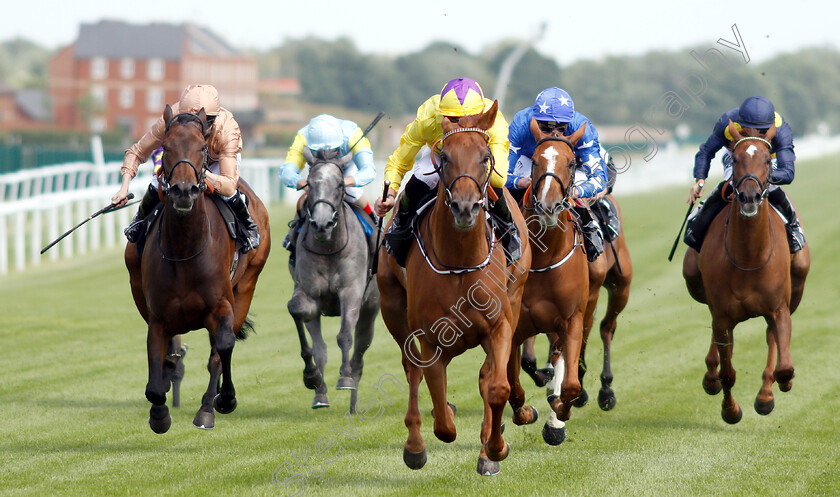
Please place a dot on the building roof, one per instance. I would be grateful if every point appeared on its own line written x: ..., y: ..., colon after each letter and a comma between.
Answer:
x: 33, y: 102
x: 117, y: 39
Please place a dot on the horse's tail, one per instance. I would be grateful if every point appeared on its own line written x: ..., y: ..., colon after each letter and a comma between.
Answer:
x: 246, y: 329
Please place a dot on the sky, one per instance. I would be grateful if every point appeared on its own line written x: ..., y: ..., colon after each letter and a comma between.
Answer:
x: 574, y: 30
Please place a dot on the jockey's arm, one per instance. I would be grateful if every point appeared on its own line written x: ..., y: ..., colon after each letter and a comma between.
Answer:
x: 225, y: 183
x: 499, y: 147
x: 363, y: 158
x: 402, y: 160
x: 703, y: 158
x: 136, y: 155
x: 227, y: 142
x: 294, y: 163
x: 784, y: 170
x: 516, y: 136
x: 596, y: 173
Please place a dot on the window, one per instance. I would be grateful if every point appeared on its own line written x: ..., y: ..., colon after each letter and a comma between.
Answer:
x: 127, y: 68
x: 98, y: 124
x: 155, y: 69
x: 127, y: 98
x: 98, y: 68
x: 99, y: 95
x: 154, y: 99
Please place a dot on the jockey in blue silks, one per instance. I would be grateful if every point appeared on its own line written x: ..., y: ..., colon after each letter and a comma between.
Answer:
x: 758, y: 113
x: 553, y: 110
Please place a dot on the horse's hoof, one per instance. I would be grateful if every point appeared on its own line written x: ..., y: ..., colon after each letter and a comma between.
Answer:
x: 581, y: 399
x: 535, y: 415
x: 486, y: 467
x: 732, y: 419
x: 320, y: 401
x: 204, y: 420
x: 543, y: 376
x: 312, y: 379
x: 159, y: 419
x: 785, y: 386
x: 497, y: 456
x: 451, y: 406
x: 606, y: 399
x: 553, y: 436
x: 529, y: 366
x: 224, y: 407
x: 414, y: 460
x: 764, y: 408
x: 345, y: 383
x: 712, y: 389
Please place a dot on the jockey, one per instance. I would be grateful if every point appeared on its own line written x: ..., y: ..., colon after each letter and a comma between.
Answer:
x: 758, y: 113
x: 458, y: 98
x: 224, y: 145
x: 554, y: 110
x: 326, y: 136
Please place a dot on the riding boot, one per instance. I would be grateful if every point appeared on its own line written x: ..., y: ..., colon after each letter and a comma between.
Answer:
x: 251, y: 235
x: 593, y: 240
x: 796, y: 237
x: 138, y: 224
x: 506, y: 228
x: 398, y: 239
x: 290, y: 242
x: 702, y: 217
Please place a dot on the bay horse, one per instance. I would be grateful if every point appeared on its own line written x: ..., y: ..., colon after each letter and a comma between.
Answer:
x: 456, y: 293
x: 746, y: 270
x: 557, y: 291
x: 616, y: 281
x: 330, y: 276
x: 190, y: 275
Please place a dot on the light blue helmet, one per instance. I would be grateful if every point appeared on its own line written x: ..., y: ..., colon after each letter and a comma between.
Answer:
x: 323, y: 133
x: 554, y: 104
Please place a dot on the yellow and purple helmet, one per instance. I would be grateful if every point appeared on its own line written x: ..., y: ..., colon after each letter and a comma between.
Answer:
x: 461, y: 97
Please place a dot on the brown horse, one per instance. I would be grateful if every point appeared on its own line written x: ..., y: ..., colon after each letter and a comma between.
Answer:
x: 456, y: 293
x: 616, y: 281
x: 190, y: 275
x: 557, y: 290
x: 745, y: 270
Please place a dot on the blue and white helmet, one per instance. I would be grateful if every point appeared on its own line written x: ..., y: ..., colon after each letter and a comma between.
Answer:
x: 554, y: 104
x: 323, y: 133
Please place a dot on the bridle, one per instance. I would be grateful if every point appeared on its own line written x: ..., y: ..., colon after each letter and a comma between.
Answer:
x: 199, y: 174
x: 335, y: 210
x: 482, y: 186
x: 566, y: 203
x: 763, y: 185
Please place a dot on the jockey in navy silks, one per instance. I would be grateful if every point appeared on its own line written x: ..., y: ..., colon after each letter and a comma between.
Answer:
x: 758, y: 113
x: 554, y: 109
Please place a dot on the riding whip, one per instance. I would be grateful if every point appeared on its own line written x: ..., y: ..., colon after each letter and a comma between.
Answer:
x: 374, y: 261
x: 103, y: 210
x: 370, y: 127
x: 677, y: 241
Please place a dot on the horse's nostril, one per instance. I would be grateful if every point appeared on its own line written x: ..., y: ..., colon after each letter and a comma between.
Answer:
x: 475, y: 208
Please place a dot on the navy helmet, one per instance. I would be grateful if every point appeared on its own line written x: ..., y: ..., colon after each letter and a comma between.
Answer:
x: 756, y: 112
x: 554, y: 104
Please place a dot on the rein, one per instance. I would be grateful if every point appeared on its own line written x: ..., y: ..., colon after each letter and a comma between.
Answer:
x: 566, y: 203
x: 335, y: 210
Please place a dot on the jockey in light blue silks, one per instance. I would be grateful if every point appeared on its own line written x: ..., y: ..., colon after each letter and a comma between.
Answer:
x: 757, y: 113
x: 554, y: 110
x: 325, y: 136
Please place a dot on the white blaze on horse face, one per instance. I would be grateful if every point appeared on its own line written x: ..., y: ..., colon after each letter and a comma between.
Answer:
x: 550, y: 155
x: 751, y: 150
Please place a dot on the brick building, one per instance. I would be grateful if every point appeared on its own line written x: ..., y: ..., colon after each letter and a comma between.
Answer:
x: 118, y: 74
x: 23, y: 109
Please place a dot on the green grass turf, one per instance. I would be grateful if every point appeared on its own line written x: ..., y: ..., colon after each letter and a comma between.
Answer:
x: 73, y: 417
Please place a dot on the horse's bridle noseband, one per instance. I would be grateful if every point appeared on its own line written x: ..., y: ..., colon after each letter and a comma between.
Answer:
x: 482, y: 187
x: 310, y: 206
x: 763, y: 185
x: 566, y: 203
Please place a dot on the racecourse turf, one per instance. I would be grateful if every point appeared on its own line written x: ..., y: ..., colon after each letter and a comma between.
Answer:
x: 73, y: 417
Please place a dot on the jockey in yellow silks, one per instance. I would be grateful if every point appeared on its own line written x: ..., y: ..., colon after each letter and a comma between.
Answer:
x: 458, y: 98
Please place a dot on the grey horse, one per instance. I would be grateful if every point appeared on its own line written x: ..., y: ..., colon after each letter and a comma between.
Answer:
x: 331, y: 279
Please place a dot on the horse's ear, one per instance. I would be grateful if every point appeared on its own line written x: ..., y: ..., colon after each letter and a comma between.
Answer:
x: 307, y: 155
x: 733, y: 131
x: 577, y: 135
x: 771, y: 133
x: 205, y: 127
x: 487, y: 119
x: 345, y: 159
x: 535, y: 130
x: 167, y: 114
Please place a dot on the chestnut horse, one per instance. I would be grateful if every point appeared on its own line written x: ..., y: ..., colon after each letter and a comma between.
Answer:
x: 190, y: 275
x: 616, y: 281
x: 456, y: 293
x: 557, y: 290
x: 746, y: 270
